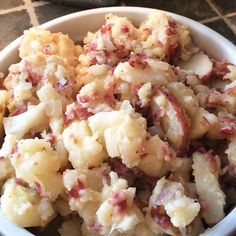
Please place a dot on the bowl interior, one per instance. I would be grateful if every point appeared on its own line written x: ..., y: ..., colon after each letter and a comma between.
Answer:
x: 77, y: 25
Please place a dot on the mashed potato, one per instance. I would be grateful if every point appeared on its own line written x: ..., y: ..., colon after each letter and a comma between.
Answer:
x: 131, y: 134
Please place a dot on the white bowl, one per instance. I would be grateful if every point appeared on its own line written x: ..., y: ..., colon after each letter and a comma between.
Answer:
x: 76, y: 25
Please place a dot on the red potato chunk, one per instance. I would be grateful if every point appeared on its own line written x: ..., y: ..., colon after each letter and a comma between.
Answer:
x: 206, y: 168
x: 172, y: 118
x: 200, y: 64
x: 225, y: 127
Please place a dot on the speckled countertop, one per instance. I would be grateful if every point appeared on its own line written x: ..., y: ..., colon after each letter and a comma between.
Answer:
x: 18, y: 15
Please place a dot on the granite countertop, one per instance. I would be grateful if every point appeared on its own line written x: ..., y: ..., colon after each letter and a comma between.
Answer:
x: 18, y: 15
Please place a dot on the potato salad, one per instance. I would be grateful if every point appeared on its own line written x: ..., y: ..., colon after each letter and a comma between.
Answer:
x: 130, y: 133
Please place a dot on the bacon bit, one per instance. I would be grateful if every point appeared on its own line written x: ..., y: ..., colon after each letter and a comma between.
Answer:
x: 121, y: 52
x: 170, y: 31
x: 219, y: 69
x: 74, y: 192
x: 111, y: 71
x: 109, y: 99
x: 171, y: 52
x: 78, y: 111
x: 172, y: 24
x: 105, y: 173
x: 94, y: 61
x: 96, y: 227
x: 119, y: 201
x: 106, y: 28
x: 137, y: 62
x: 84, y: 98
x: 228, y: 125
x: 228, y: 130
x: 51, y: 138
x: 2, y: 158
x: 135, y: 88
x: 21, y: 182
x: 105, y: 53
x: 124, y: 29
x: 159, y: 44
x: 161, y: 218
x: 33, y: 77
x: 19, y: 110
x: 38, y: 187
x: 229, y: 119
x: 14, y: 149
x: 91, y: 47
x: 214, y: 163
x: 148, y: 31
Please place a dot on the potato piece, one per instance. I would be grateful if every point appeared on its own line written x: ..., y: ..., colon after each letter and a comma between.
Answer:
x: 160, y: 36
x: 153, y: 163
x: 174, y: 122
x: 156, y: 72
x: 24, y: 207
x: 199, y: 64
x: 153, y: 35
x: 39, y: 40
x: 123, y: 134
x: 145, y: 93
x: 47, y: 93
x: 6, y: 169
x: 38, y: 164
x: 171, y: 197
x: 206, y: 173
x: 202, y: 122
x: 84, y: 149
x: 231, y: 75
x: 229, y: 98
x: 123, y: 32
x: 231, y: 152
x: 84, y: 193
x: 110, y: 44
x: 185, y: 96
x: 34, y: 120
x: 118, y: 211
x: 224, y: 128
